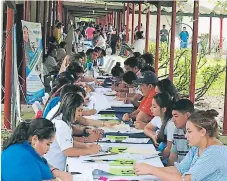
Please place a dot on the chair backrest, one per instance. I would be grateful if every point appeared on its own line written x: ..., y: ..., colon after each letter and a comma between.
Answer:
x: 107, y: 63
x: 108, y: 70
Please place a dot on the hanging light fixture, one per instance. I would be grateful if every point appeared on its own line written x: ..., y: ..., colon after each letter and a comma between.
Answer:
x: 105, y: 7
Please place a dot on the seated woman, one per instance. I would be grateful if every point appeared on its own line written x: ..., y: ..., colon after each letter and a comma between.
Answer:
x: 117, y: 73
x: 164, y: 85
x: 22, y: 155
x: 63, y: 146
x: 81, y: 130
x: 161, y: 107
x: 206, y: 159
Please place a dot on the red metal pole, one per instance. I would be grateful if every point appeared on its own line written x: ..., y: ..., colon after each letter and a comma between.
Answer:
x: 221, y: 35
x: 139, y: 18
x: 147, y: 30
x: 127, y: 24
x: 210, y: 35
x: 157, y: 38
x: 25, y: 12
x: 109, y: 18
x: 133, y: 16
x: 60, y: 9
x: 28, y: 9
x: 106, y: 20
x: 194, y: 50
x: 225, y: 104
x: 8, y: 69
x: 113, y: 14
x: 172, y: 45
x: 120, y: 22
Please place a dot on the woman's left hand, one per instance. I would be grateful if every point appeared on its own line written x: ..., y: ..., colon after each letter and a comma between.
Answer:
x: 139, y: 125
x: 142, y: 168
x: 64, y: 176
x: 109, y: 124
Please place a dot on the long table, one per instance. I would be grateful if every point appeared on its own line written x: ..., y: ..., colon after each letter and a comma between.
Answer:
x: 93, y: 171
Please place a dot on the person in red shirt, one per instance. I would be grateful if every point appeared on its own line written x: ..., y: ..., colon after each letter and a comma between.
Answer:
x: 89, y: 32
x: 143, y: 114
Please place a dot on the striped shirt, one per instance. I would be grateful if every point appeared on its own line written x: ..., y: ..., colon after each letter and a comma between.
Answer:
x: 180, y: 144
x: 211, y: 165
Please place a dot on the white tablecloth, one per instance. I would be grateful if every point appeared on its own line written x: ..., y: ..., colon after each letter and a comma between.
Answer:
x: 78, y: 165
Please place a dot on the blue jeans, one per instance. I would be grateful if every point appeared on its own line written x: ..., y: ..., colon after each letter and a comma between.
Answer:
x: 183, y: 44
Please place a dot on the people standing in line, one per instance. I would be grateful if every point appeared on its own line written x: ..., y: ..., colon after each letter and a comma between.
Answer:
x: 164, y: 34
x: 184, y: 35
x: 139, y: 44
x: 113, y: 41
x: 77, y: 34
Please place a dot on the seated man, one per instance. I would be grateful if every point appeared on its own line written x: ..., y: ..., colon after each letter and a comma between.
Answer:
x: 134, y: 93
x: 143, y: 114
x: 181, y: 110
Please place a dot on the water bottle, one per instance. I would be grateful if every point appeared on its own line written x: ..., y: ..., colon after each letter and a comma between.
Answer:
x: 90, y: 69
x: 37, y: 109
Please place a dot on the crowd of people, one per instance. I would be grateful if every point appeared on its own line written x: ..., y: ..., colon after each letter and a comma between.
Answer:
x: 38, y: 148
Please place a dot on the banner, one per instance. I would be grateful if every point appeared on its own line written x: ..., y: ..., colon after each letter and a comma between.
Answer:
x: 33, y: 50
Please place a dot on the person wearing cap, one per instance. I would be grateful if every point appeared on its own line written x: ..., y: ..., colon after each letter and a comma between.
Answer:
x: 143, y: 114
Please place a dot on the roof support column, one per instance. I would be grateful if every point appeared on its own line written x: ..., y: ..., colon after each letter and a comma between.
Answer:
x: 194, y: 50
x: 172, y: 45
x: 60, y: 10
x: 120, y: 22
x: 210, y: 35
x: 8, y: 69
x: 54, y: 17
x: 139, y: 17
x: 127, y: 23
x: 157, y: 38
x: 133, y: 16
x: 114, y: 18
x: 221, y: 35
x: 147, y: 30
x: 106, y: 19
x: 225, y: 104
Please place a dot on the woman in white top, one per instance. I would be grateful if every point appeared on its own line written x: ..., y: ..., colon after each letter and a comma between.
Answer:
x: 139, y: 44
x: 71, y: 108
x: 164, y: 85
x: 161, y: 107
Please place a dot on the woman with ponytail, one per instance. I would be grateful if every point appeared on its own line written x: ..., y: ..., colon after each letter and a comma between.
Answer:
x: 161, y: 107
x: 70, y: 110
x: 206, y: 159
x: 22, y: 155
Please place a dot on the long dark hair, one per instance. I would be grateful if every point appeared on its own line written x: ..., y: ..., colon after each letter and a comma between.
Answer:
x: 165, y: 85
x: 42, y: 128
x: 63, y: 79
x: 69, y: 103
x: 164, y: 101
